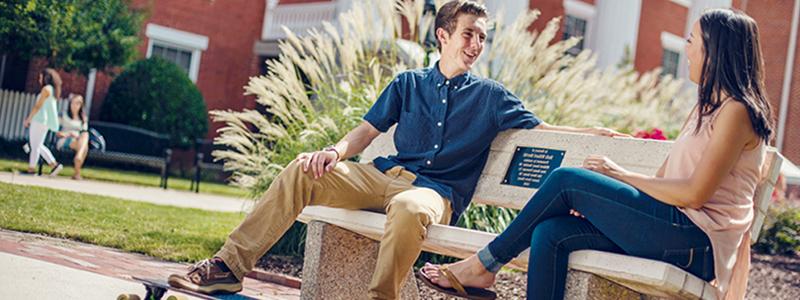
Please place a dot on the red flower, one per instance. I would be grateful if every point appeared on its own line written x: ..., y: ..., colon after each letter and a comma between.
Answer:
x: 653, y: 134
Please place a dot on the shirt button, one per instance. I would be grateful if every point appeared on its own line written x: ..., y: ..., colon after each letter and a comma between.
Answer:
x: 444, y: 100
x: 436, y: 146
x: 428, y: 162
x: 439, y: 124
x: 438, y: 84
x: 447, y: 82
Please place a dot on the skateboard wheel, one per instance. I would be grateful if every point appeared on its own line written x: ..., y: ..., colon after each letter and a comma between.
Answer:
x: 128, y: 297
x: 177, y: 297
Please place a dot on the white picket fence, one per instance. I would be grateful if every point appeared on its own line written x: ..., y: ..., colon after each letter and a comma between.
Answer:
x: 14, y: 107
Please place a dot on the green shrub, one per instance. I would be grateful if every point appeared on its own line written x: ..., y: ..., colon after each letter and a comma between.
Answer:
x: 157, y: 95
x: 783, y: 236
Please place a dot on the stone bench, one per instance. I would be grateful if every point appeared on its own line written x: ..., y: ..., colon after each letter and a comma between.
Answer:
x: 343, y: 243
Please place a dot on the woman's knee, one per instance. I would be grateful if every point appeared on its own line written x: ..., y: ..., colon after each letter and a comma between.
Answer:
x: 568, y: 175
x: 547, y: 234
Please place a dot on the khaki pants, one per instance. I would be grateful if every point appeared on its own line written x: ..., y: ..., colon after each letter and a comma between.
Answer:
x: 409, y: 210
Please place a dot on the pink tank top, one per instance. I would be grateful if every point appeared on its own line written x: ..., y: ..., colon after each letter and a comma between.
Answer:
x: 727, y: 216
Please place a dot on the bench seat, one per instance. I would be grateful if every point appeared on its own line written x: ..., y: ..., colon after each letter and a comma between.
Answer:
x: 636, y: 277
x: 642, y: 275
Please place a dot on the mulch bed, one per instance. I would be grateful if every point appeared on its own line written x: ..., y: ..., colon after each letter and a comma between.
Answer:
x: 771, y: 277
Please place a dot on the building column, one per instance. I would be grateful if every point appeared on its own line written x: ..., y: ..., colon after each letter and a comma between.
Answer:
x: 616, y: 27
x: 90, y: 91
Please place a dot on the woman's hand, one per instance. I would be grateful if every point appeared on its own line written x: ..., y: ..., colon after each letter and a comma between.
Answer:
x: 61, y: 134
x: 27, y: 122
x: 604, y: 165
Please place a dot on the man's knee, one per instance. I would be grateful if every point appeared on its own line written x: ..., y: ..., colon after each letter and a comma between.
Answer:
x: 409, y: 213
x: 293, y: 172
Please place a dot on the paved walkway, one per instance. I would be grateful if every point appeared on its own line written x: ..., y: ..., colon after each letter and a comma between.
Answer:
x: 39, y: 267
x: 133, y: 192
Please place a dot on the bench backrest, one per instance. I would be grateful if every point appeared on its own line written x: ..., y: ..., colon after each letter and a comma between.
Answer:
x: 639, y: 155
x: 128, y: 139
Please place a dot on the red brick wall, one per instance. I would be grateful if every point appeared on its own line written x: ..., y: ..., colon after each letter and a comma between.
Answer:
x: 549, y: 9
x: 232, y: 27
x: 657, y: 16
x: 774, y: 19
x: 791, y: 142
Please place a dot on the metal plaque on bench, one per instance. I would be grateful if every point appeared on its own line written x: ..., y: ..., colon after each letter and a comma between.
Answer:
x: 530, y: 166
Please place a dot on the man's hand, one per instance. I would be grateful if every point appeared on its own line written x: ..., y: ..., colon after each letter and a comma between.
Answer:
x: 602, y: 131
x: 26, y: 123
x: 318, y: 162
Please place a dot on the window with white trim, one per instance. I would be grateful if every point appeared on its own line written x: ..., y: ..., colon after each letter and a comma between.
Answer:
x: 673, y: 46
x: 669, y: 62
x: 180, y: 57
x: 180, y: 47
x: 574, y: 27
x: 578, y: 18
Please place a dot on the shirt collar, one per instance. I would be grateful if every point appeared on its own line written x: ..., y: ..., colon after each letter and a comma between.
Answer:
x: 439, y: 79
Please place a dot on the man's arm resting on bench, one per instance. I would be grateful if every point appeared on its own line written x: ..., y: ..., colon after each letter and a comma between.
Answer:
x: 595, y: 130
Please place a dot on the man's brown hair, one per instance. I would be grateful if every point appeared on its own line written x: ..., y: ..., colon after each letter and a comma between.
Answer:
x: 447, y: 17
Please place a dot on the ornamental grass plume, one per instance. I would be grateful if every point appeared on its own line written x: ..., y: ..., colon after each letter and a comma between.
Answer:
x: 326, y: 79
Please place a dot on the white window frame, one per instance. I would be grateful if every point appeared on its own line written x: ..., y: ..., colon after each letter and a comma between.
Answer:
x: 684, y: 3
x: 672, y: 42
x: 585, y: 11
x: 183, y: 40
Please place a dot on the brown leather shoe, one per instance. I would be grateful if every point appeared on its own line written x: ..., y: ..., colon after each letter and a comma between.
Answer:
x: 207, y: 277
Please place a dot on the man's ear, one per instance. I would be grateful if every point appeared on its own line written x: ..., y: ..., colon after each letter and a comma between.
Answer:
x: 442, y: 35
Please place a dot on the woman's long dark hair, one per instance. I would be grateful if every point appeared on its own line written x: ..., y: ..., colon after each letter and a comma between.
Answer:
x: 733, y: 65
x: 51, y: 77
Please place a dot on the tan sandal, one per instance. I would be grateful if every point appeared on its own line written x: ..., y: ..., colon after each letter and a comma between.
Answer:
x: 458, y: 289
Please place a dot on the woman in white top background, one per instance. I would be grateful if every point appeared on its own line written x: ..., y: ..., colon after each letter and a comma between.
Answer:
x: 43, y: 117
x: 74, y: 133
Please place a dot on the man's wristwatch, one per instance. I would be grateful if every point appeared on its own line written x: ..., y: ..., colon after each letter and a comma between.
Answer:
x: 332, y: 148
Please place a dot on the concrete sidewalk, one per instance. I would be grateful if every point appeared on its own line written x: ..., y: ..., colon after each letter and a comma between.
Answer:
x: 133, y: 192
x: 40, y: 267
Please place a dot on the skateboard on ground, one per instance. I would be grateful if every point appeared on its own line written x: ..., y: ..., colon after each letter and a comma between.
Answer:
x: 157, y: 288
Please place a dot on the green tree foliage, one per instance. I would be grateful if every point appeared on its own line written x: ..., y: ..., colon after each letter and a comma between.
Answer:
x: 157, y: 95
x: 71, y: 34
x: 783, y: 235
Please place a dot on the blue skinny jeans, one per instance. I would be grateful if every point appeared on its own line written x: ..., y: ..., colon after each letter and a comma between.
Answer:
x: 618, y: 218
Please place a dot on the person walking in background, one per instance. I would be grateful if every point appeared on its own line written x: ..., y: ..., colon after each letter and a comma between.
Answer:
x: 44, y: 117
x: 74, y: 133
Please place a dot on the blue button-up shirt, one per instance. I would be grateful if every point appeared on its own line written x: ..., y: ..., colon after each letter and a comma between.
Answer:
x: 445, y: 127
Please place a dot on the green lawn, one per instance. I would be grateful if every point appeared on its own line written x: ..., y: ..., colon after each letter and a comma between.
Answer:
x: 172, y: 233
x: 129, y: 177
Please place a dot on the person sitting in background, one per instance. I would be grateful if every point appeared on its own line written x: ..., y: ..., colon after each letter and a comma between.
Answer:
x: 74, y: 133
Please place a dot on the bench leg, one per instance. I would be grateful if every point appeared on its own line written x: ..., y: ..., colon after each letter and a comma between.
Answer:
x: 584, y: 286
x: 339, y: 265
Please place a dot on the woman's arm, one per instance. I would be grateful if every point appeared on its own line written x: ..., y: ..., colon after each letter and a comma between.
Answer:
x: 36, y: 107
x: 731, y: 135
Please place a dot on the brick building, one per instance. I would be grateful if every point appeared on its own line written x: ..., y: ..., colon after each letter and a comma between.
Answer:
x: 222, y: 43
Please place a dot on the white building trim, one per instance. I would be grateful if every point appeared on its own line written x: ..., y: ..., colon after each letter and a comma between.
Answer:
x: 684, y: 3
x: 672, y: 42
x: 579, y: 9
x: 584, y: 11
x: 179, y: 39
